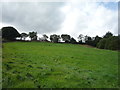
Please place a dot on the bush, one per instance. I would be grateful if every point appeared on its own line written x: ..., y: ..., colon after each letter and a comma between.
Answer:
x: 102, y: 43
x: 110, y: 43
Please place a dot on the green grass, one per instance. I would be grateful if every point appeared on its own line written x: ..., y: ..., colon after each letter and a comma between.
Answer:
x: 53, y: 65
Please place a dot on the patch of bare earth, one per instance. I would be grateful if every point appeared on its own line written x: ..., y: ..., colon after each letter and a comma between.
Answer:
x: 88, y: 46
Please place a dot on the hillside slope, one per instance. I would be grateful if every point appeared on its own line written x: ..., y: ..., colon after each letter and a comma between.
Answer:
x: 51, y: 65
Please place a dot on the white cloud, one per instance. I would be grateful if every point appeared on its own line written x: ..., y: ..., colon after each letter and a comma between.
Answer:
x: 27, y: 16
x: 89, y: 19
x: 74, y: 18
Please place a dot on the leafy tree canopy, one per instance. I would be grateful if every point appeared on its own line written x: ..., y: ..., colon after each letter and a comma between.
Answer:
x: 66, y: 37
x: 33, y: 35
x: 54, y: 38
x: 9, y: 33
x: 107, y: 35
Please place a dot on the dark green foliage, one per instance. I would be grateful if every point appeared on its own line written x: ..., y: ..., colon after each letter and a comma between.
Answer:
x: 110, y: 43
x: 54, y: 38
x: 118, y: 42
x: 102, y: 43
x: 108, y: 34
x: 107, y: 42
x: 89, y: 40
x: 73, y: 41
x: 80, y: 42
x: 66, y: 38
x: 9, y: 33
x: 96, y: 40
x: 33, y: 35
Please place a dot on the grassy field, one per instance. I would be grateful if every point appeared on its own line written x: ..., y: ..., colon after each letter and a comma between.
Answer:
x: 52, y: 65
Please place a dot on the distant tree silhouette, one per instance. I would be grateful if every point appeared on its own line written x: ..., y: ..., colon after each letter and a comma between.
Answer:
x: 85, y: 38
x: 66, y: 38
x: 33, y: 35
x: 73, y: 41
x: 88, y: 40
x: 96, y: 40
x: 80, y: 37
x: 107, y: 35
x: 45, y: 37
x: 54, y: 38
x: 24, y: 35
x: 80, y: 42
x: 9, y: 33
x: 109, y: 42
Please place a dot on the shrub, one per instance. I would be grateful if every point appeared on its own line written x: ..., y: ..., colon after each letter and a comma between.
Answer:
x: 102, y: 43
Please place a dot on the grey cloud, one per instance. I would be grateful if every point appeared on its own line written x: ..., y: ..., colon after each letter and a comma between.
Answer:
x: 43, y: 17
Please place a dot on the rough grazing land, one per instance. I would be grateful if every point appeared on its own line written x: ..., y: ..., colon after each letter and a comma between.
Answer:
x: 51, y: 65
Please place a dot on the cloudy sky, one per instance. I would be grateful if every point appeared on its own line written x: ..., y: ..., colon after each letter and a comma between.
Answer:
x: 73, y: 18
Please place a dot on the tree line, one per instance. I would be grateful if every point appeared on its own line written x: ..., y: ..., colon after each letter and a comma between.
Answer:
x: 108, y: 41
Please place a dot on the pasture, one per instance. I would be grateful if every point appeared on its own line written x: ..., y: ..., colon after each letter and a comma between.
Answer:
x: 55, y: 65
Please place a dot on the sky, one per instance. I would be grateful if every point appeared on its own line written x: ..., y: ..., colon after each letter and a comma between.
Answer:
x: 73, y: 18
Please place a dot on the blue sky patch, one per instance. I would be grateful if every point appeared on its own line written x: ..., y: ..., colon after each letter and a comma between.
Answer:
x: 110, y: 5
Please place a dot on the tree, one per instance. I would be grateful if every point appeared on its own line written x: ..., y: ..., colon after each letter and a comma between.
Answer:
x: 112, y: 43
x: 45, y: 37
x: 73, y: 41
x: 102, y: 43
x: 66, y: 38
x: 109, y: 42
x: 88, y: 40
x: 80, y: 37
x: 9, y: 33
x: 85, y: 38
x: 54, y: 38
x: 96, y: 40
x: 107, y: 35
x: 33, y: 35
x: 24, y: 35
